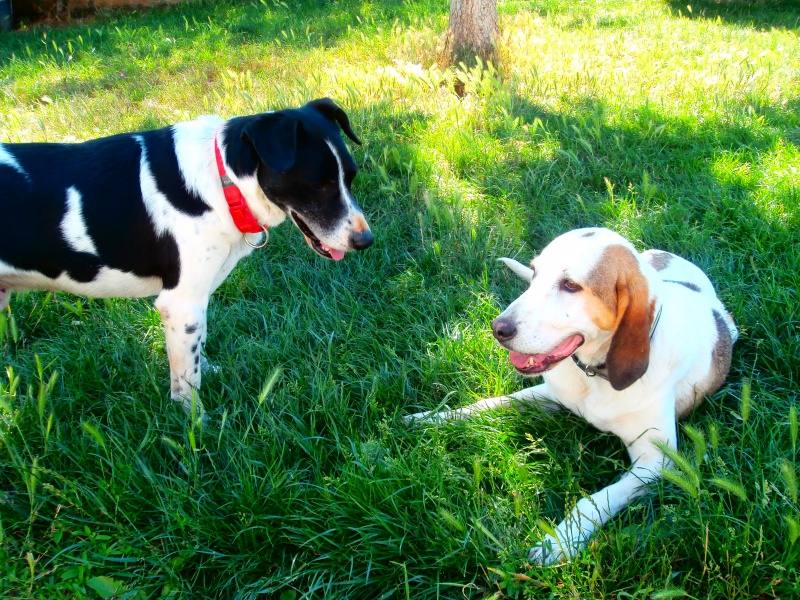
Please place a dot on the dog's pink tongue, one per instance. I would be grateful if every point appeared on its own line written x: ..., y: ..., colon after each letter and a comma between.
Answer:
x: 526, y: 361
x: 539, y: 362
x: 335, y: 254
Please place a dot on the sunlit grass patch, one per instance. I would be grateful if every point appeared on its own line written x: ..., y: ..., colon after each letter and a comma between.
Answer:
x: 677, y: 128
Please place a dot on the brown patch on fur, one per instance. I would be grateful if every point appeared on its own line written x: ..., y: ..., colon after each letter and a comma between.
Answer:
x: 360, y: 224
x: 164, y: 312
x: 624, y: 307
x: 720, y: 356
x: 600, y: 312
x: 602, y: 284
x: 659, y: 260
x: 588, y: 234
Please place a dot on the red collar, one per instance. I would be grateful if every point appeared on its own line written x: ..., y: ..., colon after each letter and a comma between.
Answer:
x: 242, y: 217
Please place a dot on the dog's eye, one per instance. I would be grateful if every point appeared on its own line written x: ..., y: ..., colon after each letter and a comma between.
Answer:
x: 570, y: 286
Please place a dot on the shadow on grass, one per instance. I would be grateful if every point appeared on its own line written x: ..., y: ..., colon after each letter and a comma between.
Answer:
x: 318, y: 485
x: 186, y: 29
x: 714, y: 191
x: 703, y: 190
x: 696, y: 189
x: 762, y: 14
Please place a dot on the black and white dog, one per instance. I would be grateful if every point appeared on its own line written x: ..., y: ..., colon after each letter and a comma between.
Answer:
x: 167, y: 212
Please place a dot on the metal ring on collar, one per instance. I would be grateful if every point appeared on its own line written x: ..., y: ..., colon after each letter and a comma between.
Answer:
x: 257, y: 246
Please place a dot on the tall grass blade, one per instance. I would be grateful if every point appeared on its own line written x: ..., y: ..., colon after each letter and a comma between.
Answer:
x: 792, y: 528
x: 745, y: 402
x: 687, y: 484
x: 699, y: 442
x: 668, y: 594
x: 734, y: 487
x: 95, y: 434
x: 790, y: 479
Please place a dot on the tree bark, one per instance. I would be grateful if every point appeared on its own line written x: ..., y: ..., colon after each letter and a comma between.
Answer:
x: 473, y: 30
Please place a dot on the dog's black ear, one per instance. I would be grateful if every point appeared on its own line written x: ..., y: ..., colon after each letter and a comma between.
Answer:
x: 331, y: 111
x: 274, y: 137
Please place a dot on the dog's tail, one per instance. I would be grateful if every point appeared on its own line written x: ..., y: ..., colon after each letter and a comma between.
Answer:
x: 518, y: 268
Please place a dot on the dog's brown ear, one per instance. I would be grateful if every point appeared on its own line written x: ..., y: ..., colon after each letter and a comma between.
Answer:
x: 629, y: 354
x: 274, y: 137
x: 333, y: 112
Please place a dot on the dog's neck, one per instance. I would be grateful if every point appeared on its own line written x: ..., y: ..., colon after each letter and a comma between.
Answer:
x: 242, y: 171
x: 242, y: 217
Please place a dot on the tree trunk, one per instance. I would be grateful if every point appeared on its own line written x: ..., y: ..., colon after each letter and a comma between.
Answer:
x: 473, y: 30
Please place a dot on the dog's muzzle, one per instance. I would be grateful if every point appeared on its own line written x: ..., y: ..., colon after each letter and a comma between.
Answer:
x: 503, y: 329
x: 359, y: 240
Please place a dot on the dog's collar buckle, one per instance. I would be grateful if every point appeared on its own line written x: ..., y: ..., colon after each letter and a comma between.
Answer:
x: 595, y: 371
x: 590, y: 371
x: 242, y: 217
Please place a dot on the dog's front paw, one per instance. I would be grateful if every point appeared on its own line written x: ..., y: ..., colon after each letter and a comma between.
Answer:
x: 547, y: 552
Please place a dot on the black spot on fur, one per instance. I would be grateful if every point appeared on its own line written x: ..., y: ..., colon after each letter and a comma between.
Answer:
x: 105, y: 172
x: 163, y: 162
x: 191, y: 328
x: 686, y: 284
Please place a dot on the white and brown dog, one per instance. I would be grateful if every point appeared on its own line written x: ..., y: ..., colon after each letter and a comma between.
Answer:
x: 167, y: 212
x: 630, y: 342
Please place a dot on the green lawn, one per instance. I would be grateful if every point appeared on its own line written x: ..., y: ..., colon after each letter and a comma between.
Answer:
x: 677, y: 126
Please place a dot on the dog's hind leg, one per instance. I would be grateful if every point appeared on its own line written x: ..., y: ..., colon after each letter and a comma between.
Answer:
x: 536, y: 395
x: 5, y: 296
x: 185, y: 331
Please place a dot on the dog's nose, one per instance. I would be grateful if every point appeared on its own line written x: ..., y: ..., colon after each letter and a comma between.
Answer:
x: 503, y: 330
x: 361, y: 239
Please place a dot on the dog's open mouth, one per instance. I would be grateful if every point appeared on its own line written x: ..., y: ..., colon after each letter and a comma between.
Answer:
x: 313, y: 241
x: 530, y: 364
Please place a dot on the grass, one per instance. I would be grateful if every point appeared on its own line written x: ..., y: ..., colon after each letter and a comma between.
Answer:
x: 676, y: 126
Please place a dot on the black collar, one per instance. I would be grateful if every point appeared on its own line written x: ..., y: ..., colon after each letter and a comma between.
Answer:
x: 590, y: 371
x: 595, y: 370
